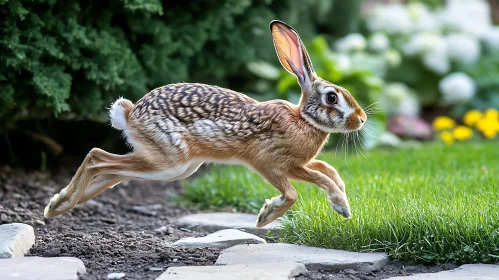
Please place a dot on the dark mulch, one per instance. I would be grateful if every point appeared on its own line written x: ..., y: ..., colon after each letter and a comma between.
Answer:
x: 107, y: 234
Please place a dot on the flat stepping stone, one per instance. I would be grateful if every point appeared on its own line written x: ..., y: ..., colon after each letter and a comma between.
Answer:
x: 212, y: 222
x: 464, y: 272
x: 221, y: 239
x: 15, y: 240
x: 35, y: 268
x: 260, y: 271
x: 313, y: 258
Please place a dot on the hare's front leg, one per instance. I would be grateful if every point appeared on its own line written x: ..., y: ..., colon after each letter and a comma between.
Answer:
x: 337, y: 198
x: 327, y: 170
x: 277, y: 206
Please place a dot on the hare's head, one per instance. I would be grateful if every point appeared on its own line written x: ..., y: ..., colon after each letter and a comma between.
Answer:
x: 323, y: 104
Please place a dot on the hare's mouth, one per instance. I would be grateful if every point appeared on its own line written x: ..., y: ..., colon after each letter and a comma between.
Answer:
x: 354, y: 123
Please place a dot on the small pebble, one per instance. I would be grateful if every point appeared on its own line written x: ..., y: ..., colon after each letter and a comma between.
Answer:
x: 156, y: 269
x: 350, y: 271
x: 164, y: 230
x: 115, y: 275
x: 143, y: 210
x: 186, y: 230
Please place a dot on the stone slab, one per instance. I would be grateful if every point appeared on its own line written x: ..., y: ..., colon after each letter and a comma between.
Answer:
x: 221, y: 239
x: 261, y: 271
x: 464, y: 272
x: 15, y: 240
x: 37, y: 268
x: 312, y: 258
x: 212, y: 222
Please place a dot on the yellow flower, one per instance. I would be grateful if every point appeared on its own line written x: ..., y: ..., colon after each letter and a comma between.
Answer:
x: 462, y: 132
x: 472, y: 117
x: 488, y: 123
x: 442, y: 123
x: 447, y: 137
x: 492, y: 114
x: 489, y: 133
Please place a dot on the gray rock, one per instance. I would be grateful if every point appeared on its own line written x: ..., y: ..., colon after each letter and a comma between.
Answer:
x: 36, y: 268
x: 15, y: 240
x: 221, y: 239
x: 116, y: 275
x: 217, y: 221
x: 164, y: 230
x: 260, y: 271
x: 144, y: 210
x: 312, y: 258
x: 464, y: 272
x: 156, y: 269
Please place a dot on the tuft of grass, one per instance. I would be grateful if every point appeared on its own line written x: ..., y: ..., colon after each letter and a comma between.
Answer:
x: 431, y: 204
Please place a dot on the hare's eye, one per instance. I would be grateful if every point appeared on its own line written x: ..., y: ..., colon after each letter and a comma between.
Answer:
x: 331, y: 98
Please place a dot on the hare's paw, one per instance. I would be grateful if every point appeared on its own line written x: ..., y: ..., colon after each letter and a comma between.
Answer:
x: 342, y: 210
x: 339, y: 203
x: 269, y: 212
x: 53, y: 208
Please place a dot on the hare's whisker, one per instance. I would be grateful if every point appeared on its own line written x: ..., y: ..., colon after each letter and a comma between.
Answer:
x: 367, y: 132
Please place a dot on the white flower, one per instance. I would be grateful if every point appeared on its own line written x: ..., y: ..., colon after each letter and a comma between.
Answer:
x: 462, y: 48
x: 423, y: 42
x: 432, y: 49
x: 422, y: 18
x: 457, y: 88
x: 366, y: 61
x: 491, y: 38
x: 437, y: 61
x: 392, y: 57
x: 343, y: 62
x: 391, y: 18
x: 379, y: 42
x: 398, y: 99
x: 469, y: 16
x: 351, y: 42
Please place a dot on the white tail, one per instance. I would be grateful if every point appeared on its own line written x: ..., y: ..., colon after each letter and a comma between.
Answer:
x: 119, y: 112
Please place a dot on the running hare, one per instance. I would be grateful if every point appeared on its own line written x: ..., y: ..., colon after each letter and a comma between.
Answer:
x: 176, y: 128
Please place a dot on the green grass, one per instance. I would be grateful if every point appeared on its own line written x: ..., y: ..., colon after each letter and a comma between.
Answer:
x: 432, y: 204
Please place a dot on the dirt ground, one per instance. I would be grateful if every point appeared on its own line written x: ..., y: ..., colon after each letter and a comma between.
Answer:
x: 109, y: 234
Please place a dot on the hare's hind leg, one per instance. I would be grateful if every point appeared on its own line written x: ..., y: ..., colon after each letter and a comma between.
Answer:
x: 97, y: 163
x: 277, y: 206
x: 105, y: 181
x: 99, y: 184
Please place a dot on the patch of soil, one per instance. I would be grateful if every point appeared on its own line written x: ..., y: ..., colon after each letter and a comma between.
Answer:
x: 392, y: 269
x: 107, y: 233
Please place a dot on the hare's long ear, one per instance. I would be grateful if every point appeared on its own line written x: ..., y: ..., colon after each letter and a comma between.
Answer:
x: 291, y: 52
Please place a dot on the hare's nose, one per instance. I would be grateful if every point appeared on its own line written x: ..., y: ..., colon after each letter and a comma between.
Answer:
x: 362, y: 120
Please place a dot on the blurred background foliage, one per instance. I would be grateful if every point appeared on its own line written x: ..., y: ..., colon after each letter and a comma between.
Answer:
x: 63, y: 62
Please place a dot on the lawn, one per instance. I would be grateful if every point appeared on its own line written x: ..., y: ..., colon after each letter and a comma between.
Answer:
x: 432, y: 203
